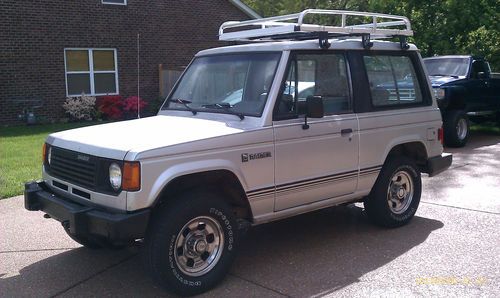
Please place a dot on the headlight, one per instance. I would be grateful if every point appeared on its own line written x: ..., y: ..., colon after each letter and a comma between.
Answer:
x: 115, y: 176
x: 439, y: 93
x: 49, y: 154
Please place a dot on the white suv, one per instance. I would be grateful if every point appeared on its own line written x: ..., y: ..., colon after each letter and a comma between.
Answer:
x: 250, y: 134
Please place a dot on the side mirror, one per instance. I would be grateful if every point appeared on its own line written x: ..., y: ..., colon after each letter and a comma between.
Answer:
x: 482, y: 75
x: 314, y: 106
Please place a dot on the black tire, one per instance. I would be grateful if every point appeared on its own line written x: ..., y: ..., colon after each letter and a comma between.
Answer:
x: 171, y: 242
x: 456, y: 126
x: 380, y: 206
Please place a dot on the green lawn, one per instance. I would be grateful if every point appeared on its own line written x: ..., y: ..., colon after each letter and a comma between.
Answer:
x: 488, y: 128
x: 21, y: 154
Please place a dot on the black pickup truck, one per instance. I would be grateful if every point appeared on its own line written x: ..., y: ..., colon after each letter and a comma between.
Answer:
x: 465, y: 89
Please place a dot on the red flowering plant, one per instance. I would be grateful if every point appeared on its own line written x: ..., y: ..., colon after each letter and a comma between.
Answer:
x: 114, y: 107
x: 131, y: 104
x: 110, y: 106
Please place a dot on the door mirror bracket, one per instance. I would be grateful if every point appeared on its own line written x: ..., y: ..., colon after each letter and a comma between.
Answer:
x: 314, y: 109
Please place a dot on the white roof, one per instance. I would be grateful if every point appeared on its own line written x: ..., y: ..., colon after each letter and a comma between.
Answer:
x: 336, y: 44
x: 449, y: 56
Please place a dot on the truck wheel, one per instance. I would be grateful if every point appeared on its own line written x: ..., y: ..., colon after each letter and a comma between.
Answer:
x: 191, y: 243
x: 456, y: 128
x: 395, y: 196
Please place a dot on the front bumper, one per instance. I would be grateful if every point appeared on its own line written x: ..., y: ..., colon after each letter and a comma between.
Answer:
x: 84, y: 220
x: 438, y: 164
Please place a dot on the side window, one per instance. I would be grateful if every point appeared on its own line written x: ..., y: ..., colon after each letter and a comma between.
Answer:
x: 479, y: 66
x: 322, y: 75
x: 393, y: 81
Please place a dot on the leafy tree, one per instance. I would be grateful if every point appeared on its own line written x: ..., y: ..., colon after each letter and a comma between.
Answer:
x: 441, y: 26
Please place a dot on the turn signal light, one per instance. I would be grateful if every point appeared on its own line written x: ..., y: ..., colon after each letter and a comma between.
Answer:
x: 441, y: 135
x: 131, y: 176
x: 44, y: 152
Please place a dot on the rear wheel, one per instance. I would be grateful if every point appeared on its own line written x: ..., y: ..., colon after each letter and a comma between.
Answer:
x: 395, y: 196
x: 191, y: 243
x: 456, y: 128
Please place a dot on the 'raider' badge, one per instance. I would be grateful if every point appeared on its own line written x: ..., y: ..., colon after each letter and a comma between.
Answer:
x: 83, y: 157
x: 245, y: 157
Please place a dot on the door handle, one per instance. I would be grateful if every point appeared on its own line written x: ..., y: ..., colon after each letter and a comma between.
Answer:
x: 345, y: 132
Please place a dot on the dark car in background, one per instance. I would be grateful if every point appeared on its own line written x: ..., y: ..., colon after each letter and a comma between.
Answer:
x: 465, y: 88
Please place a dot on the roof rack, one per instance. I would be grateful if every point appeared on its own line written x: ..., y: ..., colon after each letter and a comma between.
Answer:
x: 293, y: 27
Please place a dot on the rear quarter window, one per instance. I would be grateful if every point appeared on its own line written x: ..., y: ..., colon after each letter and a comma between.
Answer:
x: 393, y: 81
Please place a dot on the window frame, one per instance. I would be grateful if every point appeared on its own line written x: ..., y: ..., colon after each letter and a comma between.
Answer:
x: 291, y: 59
x: 91, y: 72
x: 420, y: 76
x: 114, y: 3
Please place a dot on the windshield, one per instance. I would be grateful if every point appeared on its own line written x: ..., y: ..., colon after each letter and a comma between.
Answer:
x: 230, y: 83
x: 447, y: 66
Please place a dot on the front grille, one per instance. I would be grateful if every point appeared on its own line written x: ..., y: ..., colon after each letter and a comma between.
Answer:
x: 74, y: 167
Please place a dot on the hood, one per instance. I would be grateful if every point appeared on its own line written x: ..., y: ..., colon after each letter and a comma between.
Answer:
x: 437, y: 81
x: 114, y: 140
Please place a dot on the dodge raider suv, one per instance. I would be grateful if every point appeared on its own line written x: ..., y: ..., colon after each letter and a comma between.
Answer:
x: 317, y: 116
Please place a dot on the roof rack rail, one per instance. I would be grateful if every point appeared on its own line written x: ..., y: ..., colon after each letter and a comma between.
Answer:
x: 293, y: 27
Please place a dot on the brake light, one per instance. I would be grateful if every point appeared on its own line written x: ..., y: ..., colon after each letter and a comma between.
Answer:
x: 131, y: 176
x: 44, y: 152
x: 441, y: 135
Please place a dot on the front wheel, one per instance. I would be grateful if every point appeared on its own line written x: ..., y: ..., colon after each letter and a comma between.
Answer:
x: 191, y: 243
x: 456, y: 126
x: 395, y: 196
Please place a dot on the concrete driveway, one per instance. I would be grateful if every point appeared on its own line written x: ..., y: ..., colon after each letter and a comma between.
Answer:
x: 451, y: 248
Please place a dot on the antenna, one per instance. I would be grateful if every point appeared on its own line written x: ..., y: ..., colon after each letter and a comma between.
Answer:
x: 138, y: 76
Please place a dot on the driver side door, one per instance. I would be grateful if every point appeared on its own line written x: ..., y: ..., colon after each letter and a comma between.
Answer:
x: 320, y: 162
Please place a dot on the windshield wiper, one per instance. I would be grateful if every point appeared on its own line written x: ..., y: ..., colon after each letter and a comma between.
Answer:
x: 185, y: 103
x: 444, y: 75
x: 226, y: 107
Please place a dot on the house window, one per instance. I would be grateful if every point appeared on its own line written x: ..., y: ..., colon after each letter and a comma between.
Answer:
x: 91, y: 71
x: 116, y: 2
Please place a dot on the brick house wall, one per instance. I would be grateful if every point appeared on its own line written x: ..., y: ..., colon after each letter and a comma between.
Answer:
x: 34, y: 34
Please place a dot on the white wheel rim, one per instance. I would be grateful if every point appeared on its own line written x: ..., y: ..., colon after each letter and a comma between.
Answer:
x: 400, y: 192
x: 461, y: 129
x: 199, y: 245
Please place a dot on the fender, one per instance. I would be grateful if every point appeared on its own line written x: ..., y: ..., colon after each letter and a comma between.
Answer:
x: 413, y: 138
x: 454, y: 97
x: 182, y: 169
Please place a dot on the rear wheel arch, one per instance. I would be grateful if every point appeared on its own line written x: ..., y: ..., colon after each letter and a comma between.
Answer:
x: 223, y: 182
x: 414, y: 150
